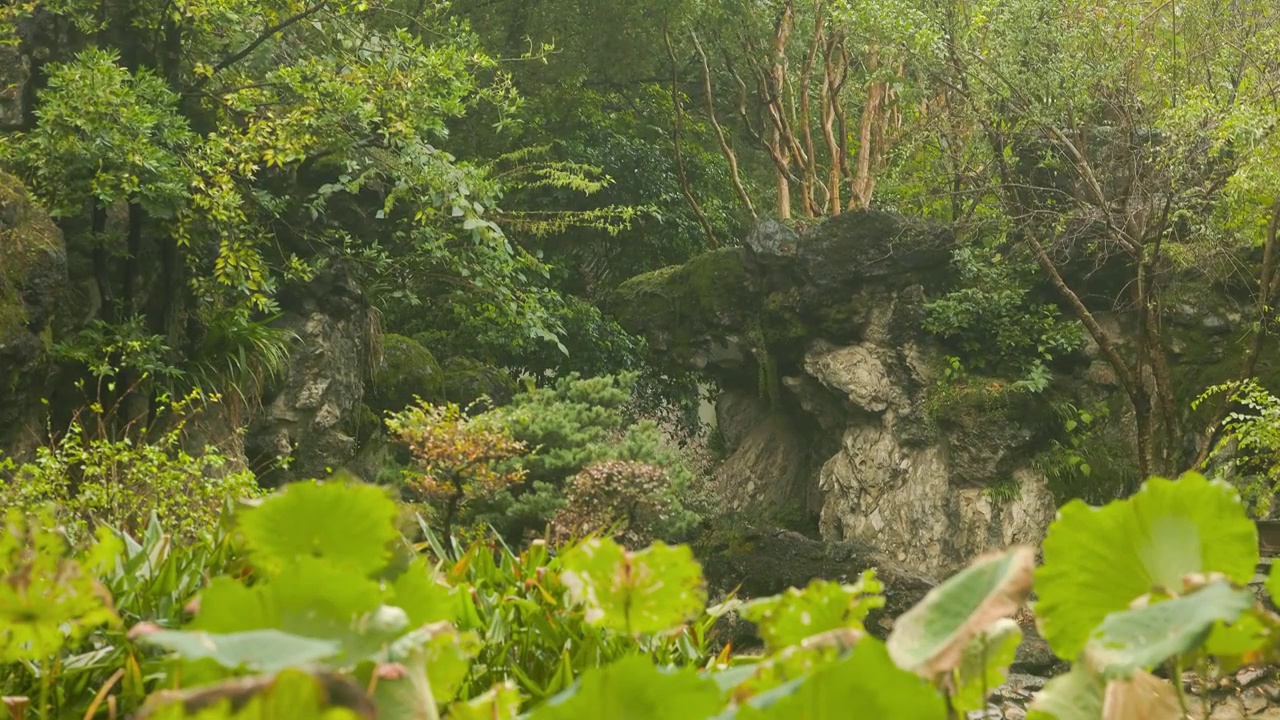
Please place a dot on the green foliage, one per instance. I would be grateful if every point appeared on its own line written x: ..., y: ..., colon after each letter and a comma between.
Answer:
x: 933, y: 637
x: 1098, y: 561
x: 641, y: 592
x: 50, y: 598
x: 1090, y: 459
x: 634, y: 688
x: 96, y: 479
x: 299, y: 523
x: 104, y: 135
x: 457, y: 460
x: 569, y: 426
x: 598, y: 629
x: 821, y: 607
x: 985, y: 663
x: 1247, y: 453
x: 993, y: 321
x: 1145, y: 637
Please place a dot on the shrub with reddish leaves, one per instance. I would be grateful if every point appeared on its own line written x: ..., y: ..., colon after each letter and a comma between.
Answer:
x: 633, y: 499
x: 456, y: 458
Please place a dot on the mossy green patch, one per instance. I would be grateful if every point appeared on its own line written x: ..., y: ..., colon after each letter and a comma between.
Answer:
x: 676, y: 306
x: 780, y: 319
x: 466, y: 380
x: 408, y: 370
x: 26, y: 233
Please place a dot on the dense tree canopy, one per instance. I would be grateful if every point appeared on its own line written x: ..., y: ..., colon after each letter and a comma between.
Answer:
x: 485, y: 171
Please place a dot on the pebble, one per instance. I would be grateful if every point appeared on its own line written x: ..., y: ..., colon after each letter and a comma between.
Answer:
x: 1271, y: 689
x: 1229, y: 709
x: 1249, y: 676
x: 1254, y: 701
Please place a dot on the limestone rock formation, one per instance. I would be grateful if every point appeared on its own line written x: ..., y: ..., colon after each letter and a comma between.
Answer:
x: 833, y: 399
x: 311, y: 413
x: 33, y: 277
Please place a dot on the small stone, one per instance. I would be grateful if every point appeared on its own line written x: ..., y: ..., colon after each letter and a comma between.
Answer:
x: 1254, y: 701
x: 1249, y: 676
x: 1230, y: 709
x: 1271, y: 689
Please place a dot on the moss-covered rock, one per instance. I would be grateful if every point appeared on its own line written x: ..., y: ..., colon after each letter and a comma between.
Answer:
x: 33, y: 261
x: 408, y: 370
x: 683, y: 309
x: 33, y: 277
x: 467, y: 380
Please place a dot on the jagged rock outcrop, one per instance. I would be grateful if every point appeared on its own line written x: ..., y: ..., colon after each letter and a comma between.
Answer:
x: 822, y: 330
x: 33, y: 278
x: 310, y: 416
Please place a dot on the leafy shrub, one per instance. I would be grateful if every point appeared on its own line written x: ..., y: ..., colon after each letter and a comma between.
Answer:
x: 571, y: 425
x: 455, y: 458
x: 633, y: 499
x: 1091, y: 458
x: 1248, y: 452
x: 100, y: 592
x: 511, y: 467
x: 994, y: 323
x: 95, y: 478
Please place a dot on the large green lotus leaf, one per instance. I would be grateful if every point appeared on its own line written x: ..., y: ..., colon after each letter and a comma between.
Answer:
x: 1099, y: 560
x: 258, y: 650
x: 423, y: 595
x: 985, y: 664
x: 310, y: 598
x: 348, y: 525
x: 796, y: 614
x: 864, y: 685
x: 930, y: 638
x: 424, y: 669
x: 635, y: 689
x: 501, y: 702
x: 1144, y: 637
x: 648, y: 591
x: 289, y: 695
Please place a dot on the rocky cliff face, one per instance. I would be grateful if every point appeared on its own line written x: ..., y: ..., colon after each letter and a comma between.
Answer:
x: 33, y: 278
x: 831, y: 393
x: 310, y: 414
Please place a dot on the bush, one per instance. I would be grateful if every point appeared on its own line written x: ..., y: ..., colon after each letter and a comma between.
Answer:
x: 455, y: 458
x: 97, y: 479
x: 634, y: 500
x: 511, y: 467
x: 572, y: 425
x: 994, y: 324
